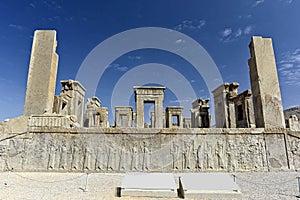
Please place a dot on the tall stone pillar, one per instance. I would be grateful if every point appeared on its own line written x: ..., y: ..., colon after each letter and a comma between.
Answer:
x: 42, y: 73
x: 268, y: 109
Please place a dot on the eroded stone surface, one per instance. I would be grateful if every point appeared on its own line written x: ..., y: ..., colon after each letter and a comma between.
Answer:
x: 42, y: 73
x: 268, y: 109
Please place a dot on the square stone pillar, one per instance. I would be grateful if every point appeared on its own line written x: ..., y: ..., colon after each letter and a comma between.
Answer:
x: 123, y: 116
x: 268, y: 109
x: 42, y: 73
x: 174, y: 111
x: 152, y: 94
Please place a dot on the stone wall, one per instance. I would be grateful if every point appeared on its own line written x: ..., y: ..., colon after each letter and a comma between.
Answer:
x: 46, y: 148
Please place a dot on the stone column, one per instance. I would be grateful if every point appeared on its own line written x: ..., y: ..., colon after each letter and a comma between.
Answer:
x: 268, y: 109
x: 42, y: 73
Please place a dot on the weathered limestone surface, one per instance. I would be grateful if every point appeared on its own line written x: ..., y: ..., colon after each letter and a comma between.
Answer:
x: 149, y: 94
x: 293, y: 123
x: 55, y: 143
x: 42, y: 73
x: 264, y: 83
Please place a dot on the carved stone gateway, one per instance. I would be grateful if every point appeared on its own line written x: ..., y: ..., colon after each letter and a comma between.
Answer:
x: 174, y: 112
x: 268, y: 109
x: 123, y: 116
x: 42, y: 74
x: 149, y: 94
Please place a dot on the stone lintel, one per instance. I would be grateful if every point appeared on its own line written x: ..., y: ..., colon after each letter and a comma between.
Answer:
x: 74, y: 85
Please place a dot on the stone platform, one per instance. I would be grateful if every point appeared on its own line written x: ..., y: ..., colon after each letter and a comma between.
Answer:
x: 160, y: 185
x: 208, y: 186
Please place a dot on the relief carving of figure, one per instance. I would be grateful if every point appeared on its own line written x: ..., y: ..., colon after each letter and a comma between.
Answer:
x: 4, y: 164
x: 296, y: 154
x: 52, y: 150
x: 146, y: 156
x: 63, y: 163
x: 200, y: 156
x: 209, y: 161
x: 112, y: 157
x: 76, y: 156
x: 87, y: 158
x: 134, y: 157
x: 263, y: 153
x: 231, y: 155
x: 188, y: 147
x: 175, y: 152
x: 220, y: 155
x: 100, y: 163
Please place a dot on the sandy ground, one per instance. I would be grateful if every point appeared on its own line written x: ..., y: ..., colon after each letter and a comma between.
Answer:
x: 17, y: 185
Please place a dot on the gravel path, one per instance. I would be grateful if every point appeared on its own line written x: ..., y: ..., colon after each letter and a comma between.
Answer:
x: 17, y: 185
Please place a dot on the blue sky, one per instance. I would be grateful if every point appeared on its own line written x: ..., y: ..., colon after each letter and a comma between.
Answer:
x: 223, y: 28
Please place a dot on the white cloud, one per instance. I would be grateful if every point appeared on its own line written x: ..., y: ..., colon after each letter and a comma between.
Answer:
x: 32, y: 5
x: 190, y: 25
x: 289, y: 68
x: 179, y: 41
x: 227, y: 32
x: 16, y: 26
x: 135, y: 57
x: 257, y: 2
x: 238, y: 33
x: 248, y: 30
x: 287, y: 1
x: 118, y: 67
x: 229, y: 35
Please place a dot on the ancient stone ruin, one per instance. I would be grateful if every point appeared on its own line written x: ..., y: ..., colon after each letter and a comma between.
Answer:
x: 68, y: 133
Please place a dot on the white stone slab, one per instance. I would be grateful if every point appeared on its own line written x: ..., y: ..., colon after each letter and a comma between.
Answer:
x: 149, y: 185
x: 208, y: 185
